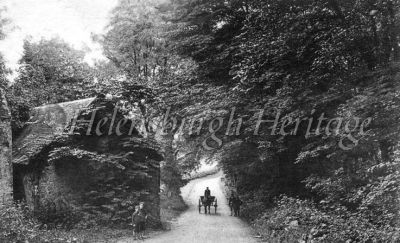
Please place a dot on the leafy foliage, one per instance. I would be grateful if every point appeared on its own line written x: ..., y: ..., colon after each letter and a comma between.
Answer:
x: 198, y: 59
x: 295, y: 219
x: 305, y: 58
x: 16, y: 224
x: 50, y: 72
x: 3, y: 69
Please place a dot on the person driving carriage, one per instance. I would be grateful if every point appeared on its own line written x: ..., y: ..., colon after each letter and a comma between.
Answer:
x: 207, y: 201
x: 207, y: 193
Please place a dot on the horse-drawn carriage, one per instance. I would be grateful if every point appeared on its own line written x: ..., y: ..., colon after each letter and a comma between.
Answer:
x: 208, y: 202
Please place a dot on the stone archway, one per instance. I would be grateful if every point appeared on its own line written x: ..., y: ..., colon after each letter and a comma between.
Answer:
x: 5, y: 152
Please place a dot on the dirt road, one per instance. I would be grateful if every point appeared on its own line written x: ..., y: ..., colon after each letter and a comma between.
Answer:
x: 194, y: 227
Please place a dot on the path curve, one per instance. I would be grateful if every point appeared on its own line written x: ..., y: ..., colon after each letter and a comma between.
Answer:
x: 194, y: 227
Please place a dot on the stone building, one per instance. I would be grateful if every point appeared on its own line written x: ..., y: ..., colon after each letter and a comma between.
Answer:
x: 5, y: 152
x: 61, y: 162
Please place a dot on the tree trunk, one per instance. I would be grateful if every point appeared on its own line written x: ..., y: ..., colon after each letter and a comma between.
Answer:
x: 5, y: 152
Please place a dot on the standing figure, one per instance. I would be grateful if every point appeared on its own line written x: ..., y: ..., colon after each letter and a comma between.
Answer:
x: 135, y: 223
x: 236, y: 205
x: 230, y: 203
x: 139, y: 218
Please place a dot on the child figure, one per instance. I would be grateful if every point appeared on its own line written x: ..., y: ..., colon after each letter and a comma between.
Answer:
x: 142, y: 218
x: 139, y: 221
x: 136, y: 223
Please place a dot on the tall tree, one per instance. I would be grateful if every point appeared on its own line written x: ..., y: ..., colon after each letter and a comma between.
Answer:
x: 3, y: 69
x: 5, y: 130
x: 305, y: 58
x: 50, y: 72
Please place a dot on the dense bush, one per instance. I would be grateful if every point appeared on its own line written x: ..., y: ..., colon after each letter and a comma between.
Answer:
x: 294, y: 220
x: 16, y: 225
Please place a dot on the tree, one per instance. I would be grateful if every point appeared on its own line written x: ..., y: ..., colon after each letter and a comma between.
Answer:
x: 301, y: 58
x: 305, y: 58
x: 3, y: 69
x: 137, y: 43
x: 134, y: 42
x: 51, y: 72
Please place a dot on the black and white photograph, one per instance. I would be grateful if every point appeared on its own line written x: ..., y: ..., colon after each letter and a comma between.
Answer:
x: 199, y: 121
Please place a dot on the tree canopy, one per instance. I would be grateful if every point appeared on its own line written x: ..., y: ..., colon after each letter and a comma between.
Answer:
x: 326, y: 68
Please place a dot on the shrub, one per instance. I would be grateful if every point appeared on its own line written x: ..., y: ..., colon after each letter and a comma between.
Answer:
x: 16, y: 224
x: 302, y: 220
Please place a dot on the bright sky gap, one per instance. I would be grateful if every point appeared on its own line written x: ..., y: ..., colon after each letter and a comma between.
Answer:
x: 71, y: 20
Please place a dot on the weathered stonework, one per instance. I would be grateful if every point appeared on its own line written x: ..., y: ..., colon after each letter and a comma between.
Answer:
x: 81, y: 184
x: 5, y: 152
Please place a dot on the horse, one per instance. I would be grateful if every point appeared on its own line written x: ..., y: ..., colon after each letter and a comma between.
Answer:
x: 207, y: 203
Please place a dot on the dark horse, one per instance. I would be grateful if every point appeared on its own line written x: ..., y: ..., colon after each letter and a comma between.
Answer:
x: 207, y: 202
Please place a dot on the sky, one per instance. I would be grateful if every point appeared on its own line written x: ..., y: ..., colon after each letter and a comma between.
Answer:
x: 72, y: 20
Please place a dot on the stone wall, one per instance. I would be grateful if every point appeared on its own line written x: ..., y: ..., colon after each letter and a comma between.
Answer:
x: 5, y: 152
x: 90, y: 182
x: 64, y: 185
x: 59, y: 185
x: 153, y: 199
